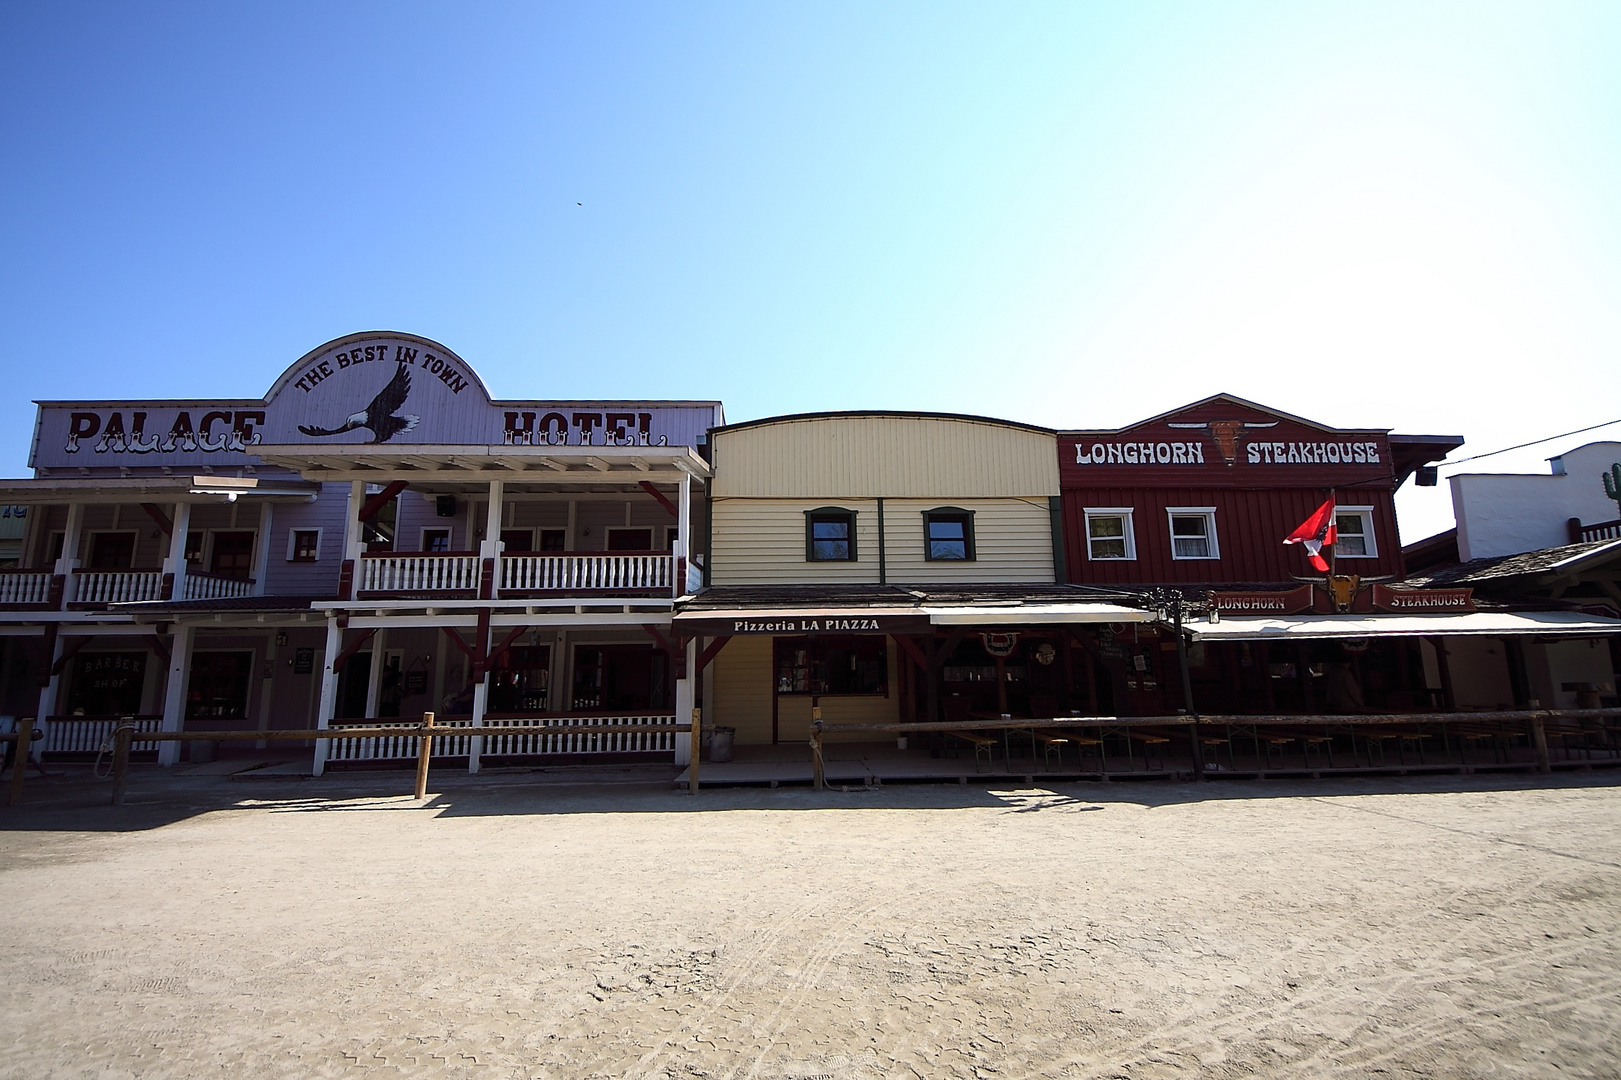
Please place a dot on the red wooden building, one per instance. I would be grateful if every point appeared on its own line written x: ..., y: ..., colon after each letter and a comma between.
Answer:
x: 1205, y: 494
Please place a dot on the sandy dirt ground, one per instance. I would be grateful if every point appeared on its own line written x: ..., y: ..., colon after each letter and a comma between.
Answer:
x: 1436, y: 927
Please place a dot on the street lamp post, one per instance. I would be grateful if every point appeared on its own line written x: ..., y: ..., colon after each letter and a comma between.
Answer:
x: 1171, y: 605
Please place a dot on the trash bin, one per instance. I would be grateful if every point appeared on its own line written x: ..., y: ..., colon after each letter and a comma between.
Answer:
x: 720, y: 746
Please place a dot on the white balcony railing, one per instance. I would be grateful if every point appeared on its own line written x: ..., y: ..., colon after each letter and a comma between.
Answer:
x: 88, y: 734
x: 209, y: 587
x: 419, y: 572
x: 25, y: 586
x: 116, y: 586
x: 618, y: 571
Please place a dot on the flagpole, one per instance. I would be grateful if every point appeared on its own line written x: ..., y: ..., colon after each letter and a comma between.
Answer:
x: 1334, y: 548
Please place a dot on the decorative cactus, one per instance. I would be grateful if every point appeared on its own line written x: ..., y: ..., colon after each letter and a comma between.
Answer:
x: 1612, y: 483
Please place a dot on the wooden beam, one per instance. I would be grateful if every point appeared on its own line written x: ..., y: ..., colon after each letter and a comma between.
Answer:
x: 945, y: 651
x: 69, y: 653
x: 711, y: 651
x: 374, y: 505
x: 664, y: 500
x: 673, y: 648
x: 598, y: 464
x: 506, y: 643
x: 909, y: 647
x: 343, y: 657
x: 456, y: 640
x: 156, y: 514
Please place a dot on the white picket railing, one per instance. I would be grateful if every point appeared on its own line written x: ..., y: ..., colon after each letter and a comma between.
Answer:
x: 396, y: 747
x: 25, y: 586
x: 519, y: 744
x: 586, y: 572
x: 87, y: 734
x: 209, y: 587
x: 559, y: 741
x: 418, y: 572
x: 116, y: 586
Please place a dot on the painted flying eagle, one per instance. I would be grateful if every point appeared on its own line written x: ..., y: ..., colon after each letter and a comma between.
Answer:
x: 378, y: 417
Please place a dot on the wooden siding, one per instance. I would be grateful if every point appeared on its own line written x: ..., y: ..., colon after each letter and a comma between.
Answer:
x: 743, y: 695
x: 1012, y: 542
x: 884, y: 456
x: 1250, y: 527
x: 762, y: 542
x: 742, y: 688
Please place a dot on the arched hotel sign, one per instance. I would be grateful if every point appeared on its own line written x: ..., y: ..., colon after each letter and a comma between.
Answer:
x: 379, y: 387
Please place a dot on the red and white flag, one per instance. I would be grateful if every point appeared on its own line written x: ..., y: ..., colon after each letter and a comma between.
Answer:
x: 1315, y: 532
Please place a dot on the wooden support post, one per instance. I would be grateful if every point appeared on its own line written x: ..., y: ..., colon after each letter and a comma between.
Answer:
x: 697, y: 751
x: 424, y: 752
x: 19, y: 762
x: 122, y: 737
x: 1194, y: 742
x: 1539, y: 739
x: 818, y: 767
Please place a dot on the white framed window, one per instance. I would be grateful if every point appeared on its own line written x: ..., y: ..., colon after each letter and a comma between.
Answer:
x: 1353, y: 526
x: 1193, y: 532
x: 303, y: 545
x: 436, y: 539
x: 1109, y: 533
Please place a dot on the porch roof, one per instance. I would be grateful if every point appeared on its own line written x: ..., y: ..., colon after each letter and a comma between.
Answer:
x: 898, y: 608
x: 159, y: 489
x: 461, y: 467
x: 1478, y: 623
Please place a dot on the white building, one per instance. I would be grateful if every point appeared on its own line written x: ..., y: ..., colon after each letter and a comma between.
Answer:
x: 1506, y: 514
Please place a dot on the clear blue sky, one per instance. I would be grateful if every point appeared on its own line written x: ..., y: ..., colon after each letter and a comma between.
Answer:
x: 1374, y: 214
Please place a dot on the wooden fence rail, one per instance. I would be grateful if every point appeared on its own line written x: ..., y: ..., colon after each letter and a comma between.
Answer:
x: 1535, y: 719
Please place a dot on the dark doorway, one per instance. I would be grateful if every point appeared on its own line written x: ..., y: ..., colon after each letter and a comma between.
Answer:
x: 630, y: 539
x: 518, y: 540
x: 353, y: 683
x: 112, y: 551
x: 233, y: 555
x: 620, y: 678
x: 218, y: 688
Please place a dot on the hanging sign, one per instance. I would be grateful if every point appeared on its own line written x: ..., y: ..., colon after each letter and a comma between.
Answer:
x: 1418, y: 601
x: 1292, y: 602
x: 1000, y: 645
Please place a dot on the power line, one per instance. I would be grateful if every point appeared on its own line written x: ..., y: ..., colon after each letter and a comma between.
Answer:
x: 1533, y: 442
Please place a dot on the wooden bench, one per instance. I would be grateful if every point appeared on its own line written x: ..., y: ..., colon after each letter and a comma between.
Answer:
x: 1052, y: 745
x: 984, y: 747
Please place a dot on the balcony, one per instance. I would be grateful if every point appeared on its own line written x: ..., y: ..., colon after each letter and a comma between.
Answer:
x: 389, y: 574
x: 98, y: 588
x: 25, y: 589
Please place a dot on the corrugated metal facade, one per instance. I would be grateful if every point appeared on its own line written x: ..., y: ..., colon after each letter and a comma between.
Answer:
x: 762, y: 542
x: 1250, y: 527
x: 878, y: 456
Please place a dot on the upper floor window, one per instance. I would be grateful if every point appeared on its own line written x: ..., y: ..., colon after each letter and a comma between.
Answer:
x: 830, y: 535
x: 949, y: 533
x: 435, y: 539
x: 630, y: 539
x: 304, y: 545
x: 1109, y: 533
x: 552, y: 539
x: 1193, y: 532
x: 1353, y: 526
x: 112, y: 550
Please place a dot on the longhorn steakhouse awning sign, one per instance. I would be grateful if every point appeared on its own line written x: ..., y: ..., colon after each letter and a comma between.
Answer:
x: 365, y: 388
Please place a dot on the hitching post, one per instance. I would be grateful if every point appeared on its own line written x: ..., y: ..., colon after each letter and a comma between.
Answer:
x: 424, y: 752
